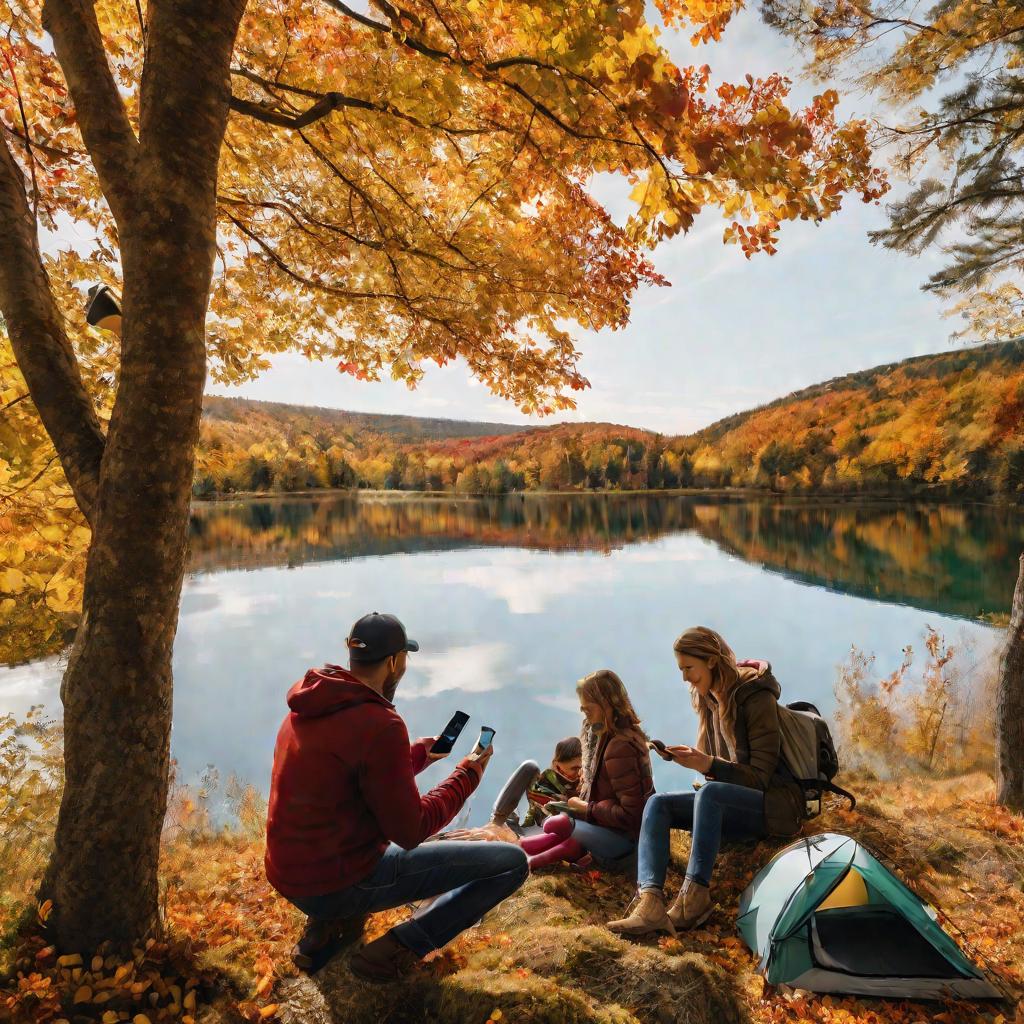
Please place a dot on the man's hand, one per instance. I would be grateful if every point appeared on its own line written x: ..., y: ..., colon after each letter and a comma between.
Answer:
x: 491, y: 833
x: 691, y: 757
x: 481, y: 756
x: 428, y: 742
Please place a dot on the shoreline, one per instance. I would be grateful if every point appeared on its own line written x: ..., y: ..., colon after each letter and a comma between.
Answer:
x: 737, y: 493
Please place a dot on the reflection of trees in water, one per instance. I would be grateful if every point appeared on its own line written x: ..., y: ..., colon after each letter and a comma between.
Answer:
x: 956, y: 559
x: 316, y: 529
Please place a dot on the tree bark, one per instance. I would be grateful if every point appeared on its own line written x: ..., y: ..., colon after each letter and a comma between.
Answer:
x: 1010, y: 708
x: 117, y: 690
x: 40, y: 343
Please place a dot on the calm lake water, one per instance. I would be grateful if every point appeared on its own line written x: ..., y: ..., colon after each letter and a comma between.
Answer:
x: 513, y: 600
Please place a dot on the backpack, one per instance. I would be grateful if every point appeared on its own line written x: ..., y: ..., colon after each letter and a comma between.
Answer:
x: 810, y: 753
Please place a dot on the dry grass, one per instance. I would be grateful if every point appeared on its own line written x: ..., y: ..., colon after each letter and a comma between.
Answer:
x: 544, y: 957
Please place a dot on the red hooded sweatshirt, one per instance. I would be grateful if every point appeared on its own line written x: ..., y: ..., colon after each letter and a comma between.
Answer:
x: 343, y: 786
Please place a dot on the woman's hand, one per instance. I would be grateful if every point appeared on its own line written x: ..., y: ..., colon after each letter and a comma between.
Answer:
x: 576, y: 805
x: 691, y: 757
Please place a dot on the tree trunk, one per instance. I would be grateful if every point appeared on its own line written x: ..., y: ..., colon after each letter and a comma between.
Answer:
x: 1010, y: 708
x: 117, y: 691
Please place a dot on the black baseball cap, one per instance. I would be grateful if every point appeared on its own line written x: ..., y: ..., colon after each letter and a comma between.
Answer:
x: 377, y: 636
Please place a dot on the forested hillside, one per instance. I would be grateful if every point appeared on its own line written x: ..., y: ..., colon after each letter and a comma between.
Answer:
x: 946, y: 424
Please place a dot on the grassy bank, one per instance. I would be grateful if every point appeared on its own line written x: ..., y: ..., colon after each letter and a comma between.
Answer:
x: 544, y: 956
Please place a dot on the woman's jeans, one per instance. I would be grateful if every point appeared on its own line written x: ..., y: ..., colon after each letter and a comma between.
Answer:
x: 604, y: 843
x: 717, y: 811
x: 468, y: 877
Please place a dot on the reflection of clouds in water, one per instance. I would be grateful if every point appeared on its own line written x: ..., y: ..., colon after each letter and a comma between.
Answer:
x: 681, y: 548
x: 526, y: 584
x: 218, y: 594
x: 563, y: 702
x: 35, y: 683
x: 196, y: 598
x: 476, y: 668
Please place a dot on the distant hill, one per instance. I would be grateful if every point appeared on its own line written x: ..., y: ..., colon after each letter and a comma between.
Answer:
x: 878, y: 380
x: 404, y: 429
x: 951, y: 423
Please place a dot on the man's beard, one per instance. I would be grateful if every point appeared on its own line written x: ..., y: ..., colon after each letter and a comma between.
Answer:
x: 390, y: 686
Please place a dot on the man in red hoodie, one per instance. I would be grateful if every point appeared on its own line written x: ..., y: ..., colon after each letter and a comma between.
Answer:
x: 345, y: 819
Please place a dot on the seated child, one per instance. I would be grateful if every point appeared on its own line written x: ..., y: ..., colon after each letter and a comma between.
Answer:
x: 557, y: 783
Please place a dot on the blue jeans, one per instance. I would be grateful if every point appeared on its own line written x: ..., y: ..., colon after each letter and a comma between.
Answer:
x: 717, y: 811
x: 603, y: 843
x: 469, y: 879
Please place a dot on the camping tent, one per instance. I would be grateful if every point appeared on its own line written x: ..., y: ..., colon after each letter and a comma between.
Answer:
x: 826, y: 916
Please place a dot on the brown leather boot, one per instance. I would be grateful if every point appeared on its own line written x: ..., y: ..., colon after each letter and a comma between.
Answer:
x: 647, y: 916
x: 324, y: 937
x: 383, y: 960
x: 692, y: 906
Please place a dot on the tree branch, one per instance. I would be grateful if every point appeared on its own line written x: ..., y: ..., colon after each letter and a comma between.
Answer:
x: 325, y: 104
x: 328, y: 103
x: 498, y: 65
x: 101, y: 114
x: 41, y: 345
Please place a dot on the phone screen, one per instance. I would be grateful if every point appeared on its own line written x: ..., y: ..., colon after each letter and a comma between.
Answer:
x: 486, y: 735
x: 445, y: 742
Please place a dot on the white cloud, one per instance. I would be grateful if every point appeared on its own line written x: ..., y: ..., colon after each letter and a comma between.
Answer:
x: 474, y: 668
x: 525, y: 586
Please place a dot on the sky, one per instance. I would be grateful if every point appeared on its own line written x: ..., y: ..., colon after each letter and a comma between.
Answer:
x: 729, y: 334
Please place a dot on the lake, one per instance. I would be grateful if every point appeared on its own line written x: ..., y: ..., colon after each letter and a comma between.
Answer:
x: 514, y: 599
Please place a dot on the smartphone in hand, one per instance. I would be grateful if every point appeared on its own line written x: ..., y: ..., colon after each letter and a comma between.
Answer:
x: 659, y: 748
x: 486, y: 737
x: 444, y: 743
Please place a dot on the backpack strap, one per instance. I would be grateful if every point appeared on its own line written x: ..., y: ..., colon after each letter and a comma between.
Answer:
x: 831, y: 787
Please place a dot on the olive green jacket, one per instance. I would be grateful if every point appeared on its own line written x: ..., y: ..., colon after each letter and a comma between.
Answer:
x: 758, y: 759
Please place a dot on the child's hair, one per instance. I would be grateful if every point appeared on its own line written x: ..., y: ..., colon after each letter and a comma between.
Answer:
x: 568, y: 749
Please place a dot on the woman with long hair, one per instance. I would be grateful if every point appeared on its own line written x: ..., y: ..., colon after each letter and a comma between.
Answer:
x: 748, y: 794
x: 604, y: 820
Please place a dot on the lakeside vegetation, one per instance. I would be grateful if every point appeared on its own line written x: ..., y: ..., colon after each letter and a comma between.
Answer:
x: 948, y: 424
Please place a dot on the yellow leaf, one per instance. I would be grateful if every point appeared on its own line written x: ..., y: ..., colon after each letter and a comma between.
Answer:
x: 12, y: 581
x: 83, y: 995
x: 268, y: 1011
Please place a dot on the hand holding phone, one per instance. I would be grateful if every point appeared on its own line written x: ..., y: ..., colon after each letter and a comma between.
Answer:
x: 574, y: 807
x: 660, y: 749
x: 444, y: 743
x: 483, y: 750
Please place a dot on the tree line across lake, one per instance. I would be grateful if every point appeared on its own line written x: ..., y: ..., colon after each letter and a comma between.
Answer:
x: 943, y: 424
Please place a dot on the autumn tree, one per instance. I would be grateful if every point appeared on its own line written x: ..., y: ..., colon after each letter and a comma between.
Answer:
x: 951, y: 77
x: 379, y: 189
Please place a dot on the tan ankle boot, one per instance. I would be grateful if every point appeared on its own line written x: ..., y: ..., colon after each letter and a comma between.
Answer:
x: 692, y: 906
x: 648, y: 916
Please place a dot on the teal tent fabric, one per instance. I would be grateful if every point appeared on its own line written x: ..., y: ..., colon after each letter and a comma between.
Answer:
x: 874, y: 937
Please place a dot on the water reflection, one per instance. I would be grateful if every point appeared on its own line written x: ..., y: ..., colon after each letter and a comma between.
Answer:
x: 959, y: 560
x: 514, y: 600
